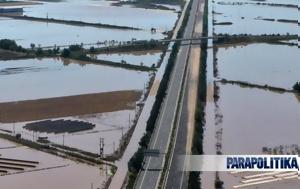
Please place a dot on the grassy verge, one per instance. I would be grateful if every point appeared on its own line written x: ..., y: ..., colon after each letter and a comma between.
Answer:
x: 197, y: 145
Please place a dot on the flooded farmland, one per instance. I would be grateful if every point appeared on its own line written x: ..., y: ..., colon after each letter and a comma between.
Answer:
x: 54, y: 80
x: 51, y: 171
x: 242, y: 18
x: 243, y: 119
x: 51, y: 77
x: 267, y: 66
x: 111, y: 126
x: 73, y: 84
x: 103, y: 12
x: 147, y: 58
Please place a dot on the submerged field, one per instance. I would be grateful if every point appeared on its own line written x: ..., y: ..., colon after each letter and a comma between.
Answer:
x: 51, y: 171
x: 107, y: 98
x: 51, y: 77
x: 243, y: 119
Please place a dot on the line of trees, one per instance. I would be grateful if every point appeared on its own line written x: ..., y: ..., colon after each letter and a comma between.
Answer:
x: 11, y: 45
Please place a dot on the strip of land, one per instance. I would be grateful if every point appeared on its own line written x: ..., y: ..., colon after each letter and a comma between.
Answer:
x: 30, y: 110
x: 225, y: 40
x: 69, y: 22
x: 11, y: 55
x: 17, y: 3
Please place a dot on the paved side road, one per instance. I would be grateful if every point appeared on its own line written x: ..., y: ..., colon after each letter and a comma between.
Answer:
x: 149, y: 177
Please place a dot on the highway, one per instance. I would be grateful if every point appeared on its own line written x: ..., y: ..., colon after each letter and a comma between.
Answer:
x: 149, y: 177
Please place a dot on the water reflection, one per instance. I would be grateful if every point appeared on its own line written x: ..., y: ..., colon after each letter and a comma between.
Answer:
x: 260, y: 64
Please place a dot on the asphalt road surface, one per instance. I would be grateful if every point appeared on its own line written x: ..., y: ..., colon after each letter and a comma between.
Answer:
x: 150, y: 175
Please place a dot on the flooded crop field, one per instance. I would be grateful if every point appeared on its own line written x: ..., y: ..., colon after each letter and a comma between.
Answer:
x: 242, y: 118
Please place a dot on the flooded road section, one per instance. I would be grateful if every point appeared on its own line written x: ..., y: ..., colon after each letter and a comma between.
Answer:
x: 247, y: 120
x: 47, y: 78
x: 50, y: 172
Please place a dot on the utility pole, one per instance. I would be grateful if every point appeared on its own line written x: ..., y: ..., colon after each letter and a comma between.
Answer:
x: 114, y: 149
x: 101, y: 147
x: 63, y: 139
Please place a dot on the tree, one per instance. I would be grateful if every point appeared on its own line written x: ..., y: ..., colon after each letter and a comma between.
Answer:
x: 296, y: 87
x: 92, y: 50
x: 32, y: 45
x: 66, y: 53
x: 39, y: 52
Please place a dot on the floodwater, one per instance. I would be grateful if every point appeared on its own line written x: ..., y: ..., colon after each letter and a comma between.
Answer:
x: 291, y: 2
x: 261, y: 64
x: 109, y: 125
x: 73, y: 175
x: 253, y: 119
x: 103, y: 12
x: 53, y: 77
x: 50, y: 34
x: 244, y: 120
x: 276, y: 123
x: 146, y: 58
x: 250, y: 22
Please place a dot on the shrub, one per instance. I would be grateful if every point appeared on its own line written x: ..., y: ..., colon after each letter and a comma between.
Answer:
x: 66, y: 53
